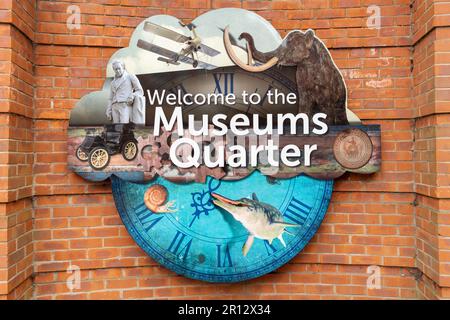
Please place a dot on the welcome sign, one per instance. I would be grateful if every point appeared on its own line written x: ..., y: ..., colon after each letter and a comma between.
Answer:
x: 221, y: 140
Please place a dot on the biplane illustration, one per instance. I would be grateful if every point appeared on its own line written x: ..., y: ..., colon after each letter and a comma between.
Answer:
x: 188, y: 54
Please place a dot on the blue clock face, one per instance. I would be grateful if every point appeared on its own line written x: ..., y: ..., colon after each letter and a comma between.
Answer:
x: 225, y: 231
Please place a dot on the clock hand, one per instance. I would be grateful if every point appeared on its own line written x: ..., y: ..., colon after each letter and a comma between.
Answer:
x: 250, y: 104
x: 202, y: 201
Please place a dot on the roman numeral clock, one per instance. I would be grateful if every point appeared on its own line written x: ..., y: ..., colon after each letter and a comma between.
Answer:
x: 221, y: 224
x: 200, y: 239
x: 204, y: 242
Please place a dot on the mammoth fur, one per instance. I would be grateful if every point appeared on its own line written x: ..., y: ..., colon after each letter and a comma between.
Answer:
x: 320, y: 85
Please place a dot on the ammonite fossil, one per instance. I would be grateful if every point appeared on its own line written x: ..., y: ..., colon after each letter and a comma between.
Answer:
x: 155, y: 197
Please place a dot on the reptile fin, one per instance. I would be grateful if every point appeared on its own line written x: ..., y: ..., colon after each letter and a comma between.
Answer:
x: 286, y: 224
x: 248, y: 244
x: 280, y: 237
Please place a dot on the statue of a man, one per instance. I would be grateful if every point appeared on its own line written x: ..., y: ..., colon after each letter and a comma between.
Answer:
x: 126, y: 93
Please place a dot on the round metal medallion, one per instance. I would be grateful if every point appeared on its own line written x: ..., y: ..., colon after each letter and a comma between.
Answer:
x: 352, y: 148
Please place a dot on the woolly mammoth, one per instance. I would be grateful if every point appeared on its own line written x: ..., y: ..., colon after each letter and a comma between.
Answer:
x: 320, y: 85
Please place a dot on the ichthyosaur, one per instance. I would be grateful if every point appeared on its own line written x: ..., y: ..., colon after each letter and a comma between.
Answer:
x: 262, y: 220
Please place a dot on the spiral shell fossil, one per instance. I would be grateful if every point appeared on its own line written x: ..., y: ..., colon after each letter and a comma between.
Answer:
x: 155, y: 197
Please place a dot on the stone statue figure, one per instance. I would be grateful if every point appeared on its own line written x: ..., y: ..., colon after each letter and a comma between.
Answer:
x: 126, y: 100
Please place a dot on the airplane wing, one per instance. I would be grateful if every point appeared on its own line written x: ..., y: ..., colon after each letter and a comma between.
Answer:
x: 157, y: 49
x: 164, y: 32
x: 171, y: 55
x: 178, y: 37
x: 167, y: 61
x: 201, y: 64
x: 208, y: 50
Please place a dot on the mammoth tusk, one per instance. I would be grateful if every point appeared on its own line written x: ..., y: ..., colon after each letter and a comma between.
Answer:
x: 249, y: 55
x: 228, y: 46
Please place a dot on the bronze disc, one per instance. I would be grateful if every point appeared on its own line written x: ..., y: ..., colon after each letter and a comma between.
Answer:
x: 352, y: 148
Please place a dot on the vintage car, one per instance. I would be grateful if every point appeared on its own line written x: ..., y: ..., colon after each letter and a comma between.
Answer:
x: 115, y: 138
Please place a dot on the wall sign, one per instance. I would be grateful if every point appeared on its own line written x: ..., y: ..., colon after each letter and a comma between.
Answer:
x: 221, y: 142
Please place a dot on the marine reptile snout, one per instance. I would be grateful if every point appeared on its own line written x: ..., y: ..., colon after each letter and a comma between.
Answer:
x: 224, y: 199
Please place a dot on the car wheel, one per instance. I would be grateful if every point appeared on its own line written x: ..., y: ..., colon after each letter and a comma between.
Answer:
x: 81, y: 155
x: 99, y: 158
x: 129, y: 150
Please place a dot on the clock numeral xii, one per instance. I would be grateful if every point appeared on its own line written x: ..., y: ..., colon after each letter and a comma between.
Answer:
x: 224, y: 82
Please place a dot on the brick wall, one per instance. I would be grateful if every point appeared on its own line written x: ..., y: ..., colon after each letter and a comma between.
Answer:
x: 431, y: 74
x: 397, y: 75
x: 16, y: 148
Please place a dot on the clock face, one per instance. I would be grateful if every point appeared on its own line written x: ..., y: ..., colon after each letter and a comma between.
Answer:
x: 203, y: 238
x: 203, y: 241
x: 230, y: 81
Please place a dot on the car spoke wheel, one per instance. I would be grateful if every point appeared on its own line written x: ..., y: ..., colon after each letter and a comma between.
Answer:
x: 129, y: 151
x: 81, y: 155
x: 99, y: 158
